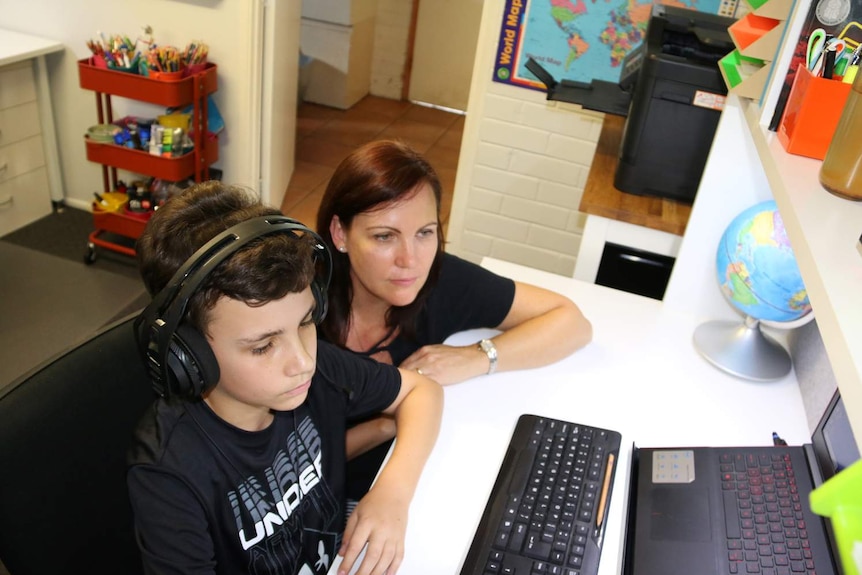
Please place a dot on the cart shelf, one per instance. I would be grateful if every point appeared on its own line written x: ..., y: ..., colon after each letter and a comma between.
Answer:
x: 162, y: 92
x: 193, y: 89
x: 119, y: 223
x: 138, y: 161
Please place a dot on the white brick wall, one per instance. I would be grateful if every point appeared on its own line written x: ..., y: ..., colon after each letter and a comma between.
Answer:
x: 390, y: 48
x: 523, y: 166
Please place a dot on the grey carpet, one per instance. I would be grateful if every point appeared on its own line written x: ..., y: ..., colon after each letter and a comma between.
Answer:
x: 65, y: 234
x: 49, y: 303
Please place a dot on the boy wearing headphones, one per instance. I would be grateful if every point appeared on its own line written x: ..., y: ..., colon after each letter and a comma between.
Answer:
x: 239, y: 467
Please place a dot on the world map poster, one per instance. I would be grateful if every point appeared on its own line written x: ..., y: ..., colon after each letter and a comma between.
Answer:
x: 578, y: 40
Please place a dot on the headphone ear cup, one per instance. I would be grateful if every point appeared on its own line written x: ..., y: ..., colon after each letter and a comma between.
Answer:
x: 320, y: 283
x: 321, y: 303
x: 192, y: 365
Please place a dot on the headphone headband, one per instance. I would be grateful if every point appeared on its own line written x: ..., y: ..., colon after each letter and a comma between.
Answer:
x: 156, y: 327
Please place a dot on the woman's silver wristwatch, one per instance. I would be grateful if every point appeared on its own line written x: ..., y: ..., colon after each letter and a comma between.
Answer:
x: 490, y: 350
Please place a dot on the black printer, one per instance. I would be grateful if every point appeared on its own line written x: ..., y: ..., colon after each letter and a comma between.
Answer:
x: 678, y: 94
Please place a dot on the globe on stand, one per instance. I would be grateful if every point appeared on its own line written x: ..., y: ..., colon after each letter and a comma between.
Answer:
x: 758, y: 275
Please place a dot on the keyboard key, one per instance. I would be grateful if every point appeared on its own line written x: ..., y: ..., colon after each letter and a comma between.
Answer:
x: 535, y: 548
x: 731, y: 515
x: 516, y: 540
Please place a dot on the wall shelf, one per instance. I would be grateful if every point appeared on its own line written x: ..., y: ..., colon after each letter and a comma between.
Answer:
x: 756, y: 36
x: 746, y: 77
x: 824, y: 230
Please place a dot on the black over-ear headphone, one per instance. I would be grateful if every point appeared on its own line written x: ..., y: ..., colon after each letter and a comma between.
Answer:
x: 178, y: 357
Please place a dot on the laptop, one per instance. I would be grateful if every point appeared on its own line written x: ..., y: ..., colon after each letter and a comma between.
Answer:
x: 738, y: 510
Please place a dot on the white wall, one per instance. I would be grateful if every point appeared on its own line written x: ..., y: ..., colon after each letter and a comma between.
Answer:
x: 523, y: 166
x: 226, y: 25
x: 391, y: 35
x: 443, y: 52
x: 729, y: 185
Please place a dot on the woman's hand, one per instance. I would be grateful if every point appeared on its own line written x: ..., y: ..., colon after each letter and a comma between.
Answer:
x: 448, y: 364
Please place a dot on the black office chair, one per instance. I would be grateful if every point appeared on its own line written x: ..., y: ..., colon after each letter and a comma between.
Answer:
x: 64, y: 431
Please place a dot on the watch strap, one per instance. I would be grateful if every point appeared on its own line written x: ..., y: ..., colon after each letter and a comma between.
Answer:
x: 488, y: 347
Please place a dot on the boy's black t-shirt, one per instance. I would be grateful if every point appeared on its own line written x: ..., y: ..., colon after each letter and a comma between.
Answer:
x: 211, y: 498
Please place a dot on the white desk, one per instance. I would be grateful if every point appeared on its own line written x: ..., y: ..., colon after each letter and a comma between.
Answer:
x: 640, y: 376
x: 14, y: 48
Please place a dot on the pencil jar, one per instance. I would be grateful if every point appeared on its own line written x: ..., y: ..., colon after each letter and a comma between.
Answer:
x: 812, y: 114
x: 841, y: 172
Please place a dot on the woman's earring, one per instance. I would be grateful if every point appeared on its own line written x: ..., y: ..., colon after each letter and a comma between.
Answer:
x: 342, y: 249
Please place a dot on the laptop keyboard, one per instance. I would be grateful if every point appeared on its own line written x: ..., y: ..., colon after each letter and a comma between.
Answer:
x: 546, y: 512
x: 766, y: 529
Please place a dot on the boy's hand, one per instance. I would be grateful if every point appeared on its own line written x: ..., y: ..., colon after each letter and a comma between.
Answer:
x: 380, y: 520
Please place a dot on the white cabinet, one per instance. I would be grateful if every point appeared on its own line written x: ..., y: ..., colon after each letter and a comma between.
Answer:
x: 339, y: 36
x: 24, y: 192
x: 345, y: 12
x: 29, y: 163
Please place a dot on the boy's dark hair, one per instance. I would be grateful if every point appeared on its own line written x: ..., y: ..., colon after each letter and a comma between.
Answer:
x: 266, y: 269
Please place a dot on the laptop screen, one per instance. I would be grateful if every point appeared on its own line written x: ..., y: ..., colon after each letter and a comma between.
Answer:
x: 834, y: 444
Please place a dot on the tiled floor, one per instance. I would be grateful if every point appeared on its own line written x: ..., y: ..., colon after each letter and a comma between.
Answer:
x: 326, y: 135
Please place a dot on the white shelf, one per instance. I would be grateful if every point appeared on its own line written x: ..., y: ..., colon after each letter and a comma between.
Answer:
x: 824, y: 230
x: 17, y: 47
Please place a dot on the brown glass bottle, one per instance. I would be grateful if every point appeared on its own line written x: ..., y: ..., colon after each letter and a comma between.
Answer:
x: 841, y: 172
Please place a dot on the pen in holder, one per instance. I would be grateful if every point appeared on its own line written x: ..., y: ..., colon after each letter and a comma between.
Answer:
x: 811, y: 114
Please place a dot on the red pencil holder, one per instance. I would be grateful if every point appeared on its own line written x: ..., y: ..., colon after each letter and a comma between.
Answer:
x: 811, y: 114
x: 167, y: 76
x: 193, y: 69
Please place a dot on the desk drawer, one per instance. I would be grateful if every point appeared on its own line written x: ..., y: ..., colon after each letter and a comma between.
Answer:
x: 21, y: 157
x: 16, y: 85
x: 18, y: 123
x: 23, y: 200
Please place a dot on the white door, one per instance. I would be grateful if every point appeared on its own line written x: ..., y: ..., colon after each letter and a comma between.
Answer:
x: 279, y: 79
x: 443, y: 52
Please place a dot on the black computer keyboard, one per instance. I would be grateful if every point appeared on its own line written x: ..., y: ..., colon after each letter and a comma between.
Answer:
x: 764, y: 513
x: 547, y: 509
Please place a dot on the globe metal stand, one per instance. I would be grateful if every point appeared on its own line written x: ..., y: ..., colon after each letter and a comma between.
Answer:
x: 742, y: 349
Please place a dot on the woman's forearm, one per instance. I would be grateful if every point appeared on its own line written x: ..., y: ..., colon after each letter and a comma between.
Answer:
x: 369, y: 434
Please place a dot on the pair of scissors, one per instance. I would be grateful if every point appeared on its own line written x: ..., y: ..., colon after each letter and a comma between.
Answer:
x: 816, y: 44
x: 819, y: 43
